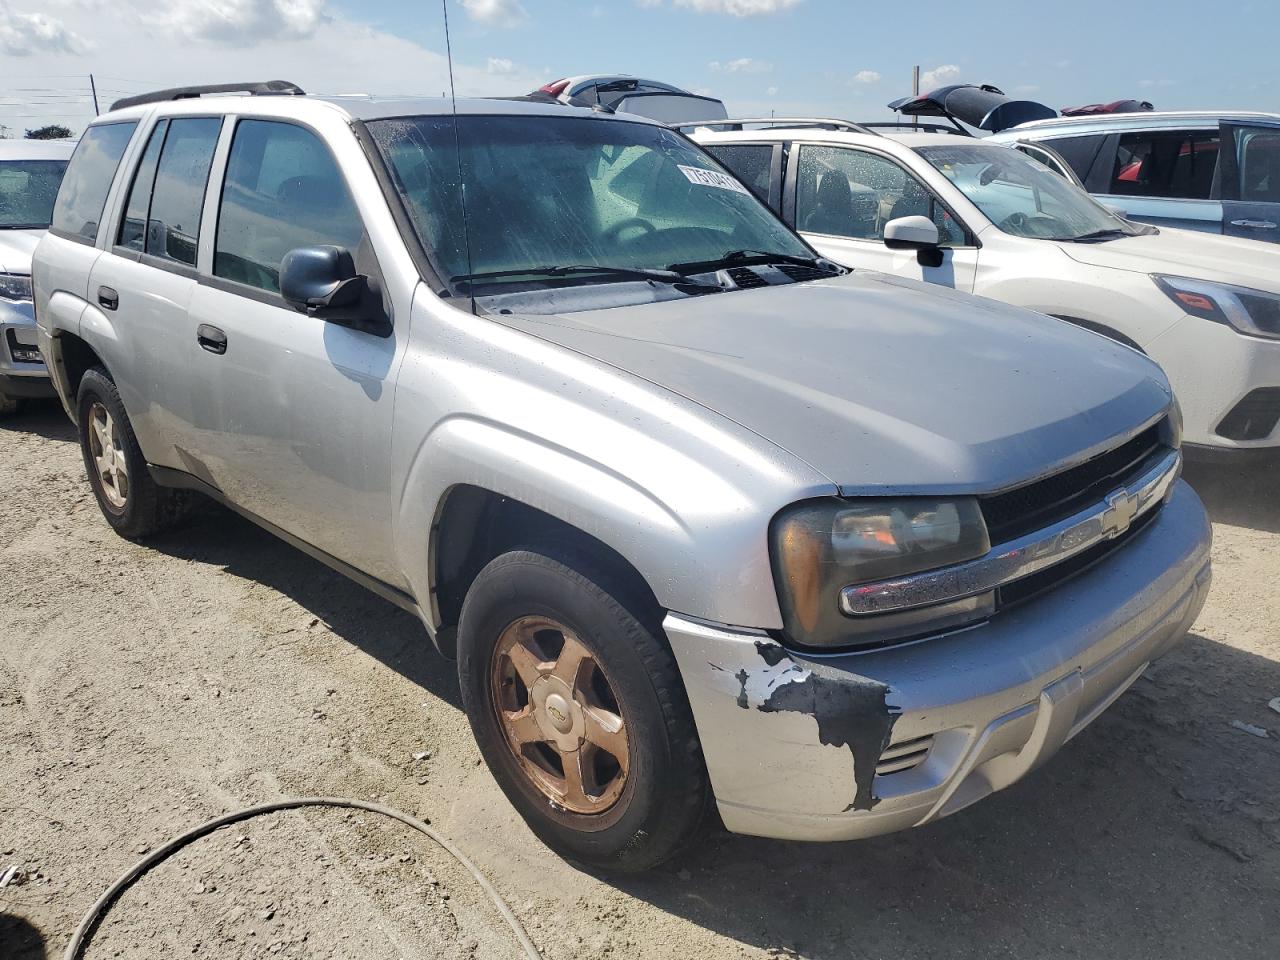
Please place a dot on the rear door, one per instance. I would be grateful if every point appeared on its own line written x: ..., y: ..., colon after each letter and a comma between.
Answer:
x: 840, y: 199
x: 757, y: 165
x: 1167, y: 177
x: 1251, y: 179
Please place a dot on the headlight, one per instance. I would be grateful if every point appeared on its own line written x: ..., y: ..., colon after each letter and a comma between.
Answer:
x: 15, y: 286
x: 822, y: 546
x: 1254, y: 312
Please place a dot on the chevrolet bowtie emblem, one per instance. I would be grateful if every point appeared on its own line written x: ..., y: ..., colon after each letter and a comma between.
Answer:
x: 1122, y: 507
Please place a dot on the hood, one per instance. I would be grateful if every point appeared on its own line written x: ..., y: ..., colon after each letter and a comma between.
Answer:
x: 883, y: 385
x: 16, y: 247
x: 1186, y: 253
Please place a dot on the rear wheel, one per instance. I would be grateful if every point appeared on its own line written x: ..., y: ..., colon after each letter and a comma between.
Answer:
x: 579, y: 710
x: 134, y: 505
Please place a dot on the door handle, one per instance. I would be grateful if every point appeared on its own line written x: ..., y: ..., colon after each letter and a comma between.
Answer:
x: 1255, y: 224
x: 108, y: 299
x: 211, y: 338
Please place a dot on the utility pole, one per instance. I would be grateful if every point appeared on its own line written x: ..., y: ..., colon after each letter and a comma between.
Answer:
x: 94, y: 88
x: 915, y: 89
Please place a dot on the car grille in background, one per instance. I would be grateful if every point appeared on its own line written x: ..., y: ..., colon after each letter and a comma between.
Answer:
x: 1042, y: 503
x: 1254, y: 417
x: 745, y: 278
x: 799, y: 273
x: 898, y: 757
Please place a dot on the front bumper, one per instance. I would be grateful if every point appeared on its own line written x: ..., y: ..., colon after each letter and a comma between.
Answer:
x: 965, y: 715
x: 21, y: 378
x: 1212, y: 368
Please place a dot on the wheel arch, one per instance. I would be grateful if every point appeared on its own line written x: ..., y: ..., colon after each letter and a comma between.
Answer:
x: 1102, y: 329
x: 72, y: 356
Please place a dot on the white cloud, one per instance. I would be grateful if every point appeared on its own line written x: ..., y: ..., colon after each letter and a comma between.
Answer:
x: 1155, y: 83
x: 936, y: 77
x: 22, y: 34
x: 499, y: 13
x: 734, y: 8
x: 866, y: 76
x: 771, y: 92
x: 741, y: 65
x: 500, y: 66
x: 242, y: 21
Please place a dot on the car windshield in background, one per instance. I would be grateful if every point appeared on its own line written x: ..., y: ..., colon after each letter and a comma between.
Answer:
x: 548, y: 193
x: 1022, y: 196
x: 27, y: 191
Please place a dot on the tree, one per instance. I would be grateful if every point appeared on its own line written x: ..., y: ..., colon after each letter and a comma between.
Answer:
x: 54, y: 131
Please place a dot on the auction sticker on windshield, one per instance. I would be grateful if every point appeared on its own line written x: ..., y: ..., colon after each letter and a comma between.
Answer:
x: 711, y: 178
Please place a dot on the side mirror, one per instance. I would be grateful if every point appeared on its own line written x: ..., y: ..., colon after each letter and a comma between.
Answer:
x: 322, y: 282
x: 915, y: 233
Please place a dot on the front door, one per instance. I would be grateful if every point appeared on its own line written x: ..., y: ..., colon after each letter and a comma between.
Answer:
x: 1251, y: 179
x: 294, y: 413
x: 844, y: 197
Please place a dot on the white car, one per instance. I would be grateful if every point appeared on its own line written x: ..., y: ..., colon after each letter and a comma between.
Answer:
x: 985, y: 219
x: 30, y: 173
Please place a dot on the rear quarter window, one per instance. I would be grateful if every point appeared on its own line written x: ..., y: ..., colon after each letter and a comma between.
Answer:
x: 83, y: 193
x: 750, y: 163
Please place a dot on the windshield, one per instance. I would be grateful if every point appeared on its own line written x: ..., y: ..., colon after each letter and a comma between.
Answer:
x: 27, y: 191
x: 569, y: 191
x: 1022, y: 196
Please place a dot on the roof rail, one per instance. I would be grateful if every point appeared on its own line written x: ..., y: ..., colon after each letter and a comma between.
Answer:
x: 908, y: 126
x: 258, y: 88
x: 846, y: 125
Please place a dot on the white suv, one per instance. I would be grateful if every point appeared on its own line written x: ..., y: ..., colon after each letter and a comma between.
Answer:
x: 985, y: 219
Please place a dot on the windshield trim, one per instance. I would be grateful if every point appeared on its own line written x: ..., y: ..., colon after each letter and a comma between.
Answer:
x: 425, y: 257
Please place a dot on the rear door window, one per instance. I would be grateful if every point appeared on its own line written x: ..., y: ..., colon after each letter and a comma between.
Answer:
x: 181, y: 178
x: 283, y: 190
x: 1175, y: 164
x: 752, y: 163
x: 83, y: 193
x: 1257, y: 176
x: 851, y: 193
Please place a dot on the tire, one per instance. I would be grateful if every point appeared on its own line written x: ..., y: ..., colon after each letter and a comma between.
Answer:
x: 9, y: 405
x: 135, y: 506
x: 661, y: 798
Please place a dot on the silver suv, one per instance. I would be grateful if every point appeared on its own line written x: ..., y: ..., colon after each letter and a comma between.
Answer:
x: 703, y: 517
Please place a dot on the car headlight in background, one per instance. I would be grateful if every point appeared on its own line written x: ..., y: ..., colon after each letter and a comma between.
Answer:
x: 820, y: 547
x: 1254, y: 312
x: 15, y: 286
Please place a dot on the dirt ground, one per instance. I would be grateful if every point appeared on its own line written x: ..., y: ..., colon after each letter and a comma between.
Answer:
x: 146, y: 689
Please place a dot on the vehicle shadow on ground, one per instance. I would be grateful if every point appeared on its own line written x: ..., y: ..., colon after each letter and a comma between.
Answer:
x: 1246, y: 495
x: 42, y: 418
x: 19, y: 940
x: 220, y: 537
x: 1155, y: 833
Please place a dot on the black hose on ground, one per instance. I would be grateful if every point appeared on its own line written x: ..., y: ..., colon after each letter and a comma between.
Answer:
x: 80, y: 937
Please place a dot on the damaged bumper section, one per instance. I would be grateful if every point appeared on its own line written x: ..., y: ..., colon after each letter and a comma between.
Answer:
x: 844, y: 746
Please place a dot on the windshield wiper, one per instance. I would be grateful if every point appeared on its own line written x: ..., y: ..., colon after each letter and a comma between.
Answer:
x: 755, y: 256
x: 24, y: 226
x: 634, y: 273
x: 1110, y: 233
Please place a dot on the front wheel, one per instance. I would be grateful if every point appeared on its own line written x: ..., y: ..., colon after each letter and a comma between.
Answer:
x: 578, y: 707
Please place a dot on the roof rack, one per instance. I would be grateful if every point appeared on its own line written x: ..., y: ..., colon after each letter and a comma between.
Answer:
x: 917, y: 127
x: 257, y: 88
x: 790, y: 122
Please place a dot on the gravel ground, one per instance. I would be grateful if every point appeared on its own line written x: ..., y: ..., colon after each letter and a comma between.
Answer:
x: 146, y: 689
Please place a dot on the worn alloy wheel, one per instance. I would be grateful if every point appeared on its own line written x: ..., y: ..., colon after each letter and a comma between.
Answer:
x: 107, y: 450
x: 560, y: 715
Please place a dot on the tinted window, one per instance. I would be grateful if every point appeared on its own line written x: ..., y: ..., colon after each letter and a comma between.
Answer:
x: 283, y: 190
x: 177, y: 199
x: 1079, y: 152
x: 1174, y: 164
x: 850, y: 193
x: 1258, y: 157
x: 27, y: 191
x: 133, y: 228
x: 752, y: 163
x: 88, y: 179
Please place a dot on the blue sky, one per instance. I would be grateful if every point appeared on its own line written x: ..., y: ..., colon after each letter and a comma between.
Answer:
x: 791, y: 56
